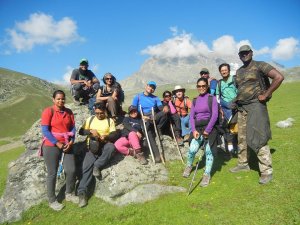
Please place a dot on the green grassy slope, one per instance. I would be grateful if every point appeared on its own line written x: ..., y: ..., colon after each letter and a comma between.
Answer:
x: 229, y: 199
x: 22, y: 99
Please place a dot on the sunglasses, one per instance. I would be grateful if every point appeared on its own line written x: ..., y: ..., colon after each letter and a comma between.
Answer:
x: 108, y: 78
x: 201, y: 86
x: 202, y: 73
x: 244, y: 52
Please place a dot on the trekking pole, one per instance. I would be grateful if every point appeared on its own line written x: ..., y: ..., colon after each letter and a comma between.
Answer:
x: 146, y: 133
x: 200, y: 158
x: 156, y: 132
x: 61, y: 166
x: 171, y: 125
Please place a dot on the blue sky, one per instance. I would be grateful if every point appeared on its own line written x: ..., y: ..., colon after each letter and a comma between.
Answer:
x: 47, y: 39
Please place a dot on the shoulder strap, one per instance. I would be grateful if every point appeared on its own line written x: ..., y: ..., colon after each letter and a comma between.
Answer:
x: 219, y: 84
x: 184, y: 104
x: 91, y: 120
x: 108, y: 120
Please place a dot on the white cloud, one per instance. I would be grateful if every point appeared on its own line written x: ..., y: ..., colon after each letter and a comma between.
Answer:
x: 183, y: 45
x: 285, y: 49
x: 179, y: 46
x: 224, y: 45
x: 65, y: 81
x: 42, y: 29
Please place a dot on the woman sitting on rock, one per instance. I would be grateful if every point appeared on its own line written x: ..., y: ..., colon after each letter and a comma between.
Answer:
x: 58, y: 128
x: 130, y: 142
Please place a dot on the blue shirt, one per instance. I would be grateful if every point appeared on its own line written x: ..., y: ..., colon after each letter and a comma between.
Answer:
x: 147, y: 102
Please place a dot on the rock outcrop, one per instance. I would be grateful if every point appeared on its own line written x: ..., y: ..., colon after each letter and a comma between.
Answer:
x: 124, y: 181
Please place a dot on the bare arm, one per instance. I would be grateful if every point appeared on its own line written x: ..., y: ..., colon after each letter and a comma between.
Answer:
x: 277, y: 79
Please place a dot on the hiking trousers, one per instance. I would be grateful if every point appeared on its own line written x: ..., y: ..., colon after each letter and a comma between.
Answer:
x: 90, y: 161
x: 185, y: 125
x: 132, y: 141
x: 264, y: 155
x: 52, y: 156
x: 112, y: 106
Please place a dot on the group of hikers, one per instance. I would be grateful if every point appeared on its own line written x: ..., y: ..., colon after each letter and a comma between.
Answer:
x: 234, y: 108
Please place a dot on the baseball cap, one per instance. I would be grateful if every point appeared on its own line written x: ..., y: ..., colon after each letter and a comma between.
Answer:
x: 245, y: 48
x: 131, y: 108
x: 152, y: 83
x: 84, y: 61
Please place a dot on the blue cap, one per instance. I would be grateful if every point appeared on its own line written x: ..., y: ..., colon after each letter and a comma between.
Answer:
x: 152, y: 83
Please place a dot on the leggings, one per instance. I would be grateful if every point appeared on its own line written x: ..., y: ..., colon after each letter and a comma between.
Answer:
x: 194, y: 148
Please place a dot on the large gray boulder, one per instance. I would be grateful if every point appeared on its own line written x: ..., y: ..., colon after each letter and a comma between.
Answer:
x: 124, y: 180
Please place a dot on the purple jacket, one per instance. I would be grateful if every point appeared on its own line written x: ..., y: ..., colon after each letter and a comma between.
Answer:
x: 200, y: 111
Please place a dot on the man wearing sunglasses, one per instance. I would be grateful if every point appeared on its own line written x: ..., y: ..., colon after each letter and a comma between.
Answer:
x: 212, y: 82
x: 84, y: 83
x: 253, y: 119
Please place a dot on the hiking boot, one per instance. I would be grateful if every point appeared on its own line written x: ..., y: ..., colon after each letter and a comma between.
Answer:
x: 56, y: 205
x: 76, y: 101
x: 187, y: 171
x: 141, y: 158
x: 82, y: 200
x: 179, y: 140
x: 186, y: 138
x: 70, y: 197
x: 239, y: 168
x: 264, y: 179
x: 131, y: 152
x: 205, y: 180
x: 97, y: 173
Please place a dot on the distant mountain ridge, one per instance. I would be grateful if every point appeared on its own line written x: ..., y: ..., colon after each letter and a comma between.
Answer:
x: 185, y: 70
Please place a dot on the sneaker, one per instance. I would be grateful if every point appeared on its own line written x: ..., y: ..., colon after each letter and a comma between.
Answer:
x: 187, y: 171
x: 141, y: 158
x: 264, y: 179
x: 56, y: 206
x: 97, y: 173
x: 82, y: 200
x: 205, y: 180
x: 70, y: 197
x: 179, y: 141
x: 239, y: 168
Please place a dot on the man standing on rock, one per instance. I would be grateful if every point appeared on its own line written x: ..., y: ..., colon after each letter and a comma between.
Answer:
x: 253, y: 119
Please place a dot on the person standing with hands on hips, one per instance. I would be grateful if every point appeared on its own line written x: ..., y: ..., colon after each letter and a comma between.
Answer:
x: 58, y: 129
x: 253, y: 119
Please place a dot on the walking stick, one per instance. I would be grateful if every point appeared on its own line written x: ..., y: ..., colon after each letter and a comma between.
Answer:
x: 156, y: 132
x: 146, y: 133
x: 61, y: 166
x: 171, y: 125
x: 205, y: 142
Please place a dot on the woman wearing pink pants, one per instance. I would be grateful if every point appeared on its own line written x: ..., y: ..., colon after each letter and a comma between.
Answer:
x: 130, y: 142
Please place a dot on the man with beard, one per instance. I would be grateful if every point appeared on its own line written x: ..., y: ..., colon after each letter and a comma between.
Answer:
x: 254, y: 90
x: 84, y: 83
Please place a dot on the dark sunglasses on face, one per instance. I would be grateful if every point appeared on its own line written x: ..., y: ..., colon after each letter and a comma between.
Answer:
x: 201, y: 86
x: 108, y: 78
x: 244, y: 53
x: 202, y: 73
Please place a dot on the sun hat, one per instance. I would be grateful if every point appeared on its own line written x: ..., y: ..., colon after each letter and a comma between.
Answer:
x: 84, y: 62
x: 245, y: 48
x: 178, y: 87
x: 152, y: 83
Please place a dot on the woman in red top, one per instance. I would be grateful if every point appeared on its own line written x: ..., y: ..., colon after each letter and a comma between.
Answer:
x: 58, y: 128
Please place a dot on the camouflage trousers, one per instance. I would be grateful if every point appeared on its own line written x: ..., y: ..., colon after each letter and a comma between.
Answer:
x: 264, y: 155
